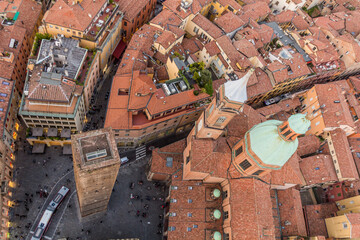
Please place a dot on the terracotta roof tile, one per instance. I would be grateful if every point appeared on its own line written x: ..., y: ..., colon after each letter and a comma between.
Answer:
x: 192, y: 45
x: 174, y: 6
x: 166, y: 17
x: 229, y: 22
x: 174, y: 150
x: 246, y: 47
x: 318, y: 169
x: 291, y: 213
x: 315, y: 217
x: 209, y: 27
x: 308, y: 144
x: 131, y: 9
x: 251, y: 210
x: 234, y: 56
x: 212, y: 48
x: 77, y: 16
x: 343, y: 154
x: 254, y: 11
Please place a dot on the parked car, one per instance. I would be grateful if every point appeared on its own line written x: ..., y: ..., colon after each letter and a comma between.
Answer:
x: 272, y: 100
x: 124, y: 160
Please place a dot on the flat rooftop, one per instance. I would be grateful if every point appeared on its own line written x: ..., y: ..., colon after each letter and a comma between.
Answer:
x: 95, y: 149
x: 62, y: 56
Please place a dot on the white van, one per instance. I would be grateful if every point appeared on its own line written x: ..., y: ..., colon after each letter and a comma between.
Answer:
x: 124, y: 160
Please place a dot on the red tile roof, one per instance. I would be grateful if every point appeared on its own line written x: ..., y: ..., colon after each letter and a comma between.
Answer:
x: 318, y: 169
x: 291, y: 213
x: 255, y: 11
x: 250, y: 210
x: 229, y: 22
x: 212, y: 48
x: 132, y: 9
x: 209, y: 27
x: 77, y: 16
x: 343, y: 154
x: 315, y: 217
x: 234, y: 56
x: 174, y: 6
x: 246, y: 47
x: 308, y: 144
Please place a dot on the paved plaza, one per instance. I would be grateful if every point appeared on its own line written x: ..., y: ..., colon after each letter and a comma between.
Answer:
x: 120, y: 220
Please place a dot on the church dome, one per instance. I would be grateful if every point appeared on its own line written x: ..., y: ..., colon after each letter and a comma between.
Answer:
x: 269, y: 146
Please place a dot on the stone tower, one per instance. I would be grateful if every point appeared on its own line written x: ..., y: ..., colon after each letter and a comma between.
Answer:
x: 96, y: 165
x: 268, y: 146
x: 227, y: 103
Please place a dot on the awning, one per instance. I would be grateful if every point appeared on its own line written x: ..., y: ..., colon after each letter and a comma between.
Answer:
x: 67, y: 149
x: 119, y: 49
x: 38, y: 148
x: 37, y: 132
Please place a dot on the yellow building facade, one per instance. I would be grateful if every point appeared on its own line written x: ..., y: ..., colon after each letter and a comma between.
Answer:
x: 349, y: 205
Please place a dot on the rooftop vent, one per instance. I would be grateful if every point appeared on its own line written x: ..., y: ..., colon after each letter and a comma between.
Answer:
x: 215, y: 193
x: 215, y: 214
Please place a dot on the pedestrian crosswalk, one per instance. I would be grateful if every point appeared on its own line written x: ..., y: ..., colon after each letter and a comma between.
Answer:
x: 140, y: 152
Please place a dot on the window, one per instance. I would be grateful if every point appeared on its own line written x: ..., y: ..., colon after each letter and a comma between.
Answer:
x: 220, y: 120
x: 172, y: 214
x: 173, y: 200
x: 245, y: 164
x: 345, y: 225
x: 68, y: 30
x: 5, y: 83
x: 3, y: 95
x: 358, y: 154
x: 189, y: 229
x: 125, y: 23
x: 258, y: 172
x: 170, y: 229
x: 238, y: 151
x: 226, y: 215
x: 50, y: 26
x: 189, y: 214
x: 225, y: 194
x: 174, y: 187
x: 226, y: 236
x: 196, y: 30
x: 1, y: 109
x: 211, y: 109
x: 190, y: 187
x: 188, y: 159
x: 195, y: 226
x: 190, y: 200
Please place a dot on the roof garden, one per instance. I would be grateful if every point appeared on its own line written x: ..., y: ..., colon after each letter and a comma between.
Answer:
x: 196, y: 76
x: 98, y: 27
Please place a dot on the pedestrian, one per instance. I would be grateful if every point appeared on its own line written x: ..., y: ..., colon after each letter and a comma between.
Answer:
x: 46, y: 175
x: 41, y: 194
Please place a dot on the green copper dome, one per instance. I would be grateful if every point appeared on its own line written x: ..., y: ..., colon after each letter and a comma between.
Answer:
x: 217, y: 214
x: 217, y: 235
x: 216, y: 192
x: 299, y: 123
x: 269, y: 146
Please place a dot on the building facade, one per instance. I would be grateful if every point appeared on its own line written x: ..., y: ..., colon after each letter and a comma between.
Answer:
x: 52, y: 98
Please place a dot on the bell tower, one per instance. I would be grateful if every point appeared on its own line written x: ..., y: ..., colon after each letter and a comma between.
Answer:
x: 227, y: 103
